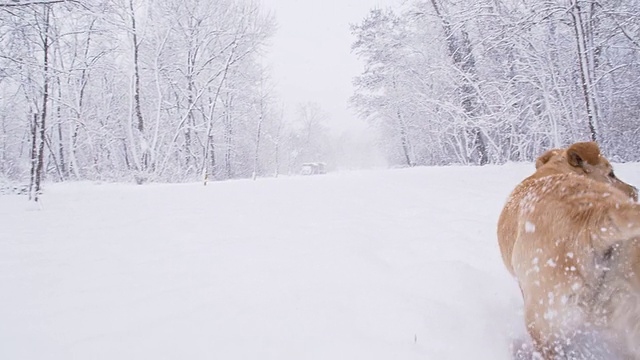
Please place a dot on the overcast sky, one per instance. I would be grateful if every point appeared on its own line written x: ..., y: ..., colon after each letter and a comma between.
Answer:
x: 311, y: 57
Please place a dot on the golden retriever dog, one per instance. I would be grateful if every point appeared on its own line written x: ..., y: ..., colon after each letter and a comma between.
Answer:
x: 568, y: 235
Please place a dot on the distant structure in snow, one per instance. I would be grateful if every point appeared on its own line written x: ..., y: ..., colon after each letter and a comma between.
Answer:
x: 313, y: 168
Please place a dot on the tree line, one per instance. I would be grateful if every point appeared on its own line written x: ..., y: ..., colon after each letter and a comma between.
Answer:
x: 166, y: 90
x: 491, y: 81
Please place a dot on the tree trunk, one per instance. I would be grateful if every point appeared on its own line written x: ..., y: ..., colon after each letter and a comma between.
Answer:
x: 404, y: 139
x: 75, y: 128
x: 45, y: 99
x: 52, y: 153
x: 62, y: 167
x: 228, y: 141
x: 460, y: 52
x: 258, y: 135
x: 136, y: 88
x: 3, y: 141
x: 191, y: 122
x: 277, y: 143
x: 587, y: 68
x: 227, y: 66
x: 212, y: 155
x: 34, y: 154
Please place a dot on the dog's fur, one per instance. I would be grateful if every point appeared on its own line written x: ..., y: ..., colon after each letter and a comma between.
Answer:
x: 568, y: 234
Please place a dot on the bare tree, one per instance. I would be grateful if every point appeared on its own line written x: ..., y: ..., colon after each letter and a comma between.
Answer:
x: 38, y: 127
x: 264, y: 93
x: 493, y: 81
x: 582, y: 14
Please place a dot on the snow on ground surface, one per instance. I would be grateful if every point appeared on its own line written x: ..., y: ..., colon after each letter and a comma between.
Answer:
x: 385, y: 264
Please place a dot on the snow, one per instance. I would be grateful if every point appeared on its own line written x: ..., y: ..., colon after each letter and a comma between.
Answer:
x: 529, y: 227
x: 551, y: 263
x: 384, y: 264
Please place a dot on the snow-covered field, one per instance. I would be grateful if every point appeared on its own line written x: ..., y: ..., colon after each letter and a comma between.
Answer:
x: 384, y: 264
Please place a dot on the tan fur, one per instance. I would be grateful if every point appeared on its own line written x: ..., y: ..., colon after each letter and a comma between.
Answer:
x: 548, y: 155
x: 567, y: 233
x: 556, y: 162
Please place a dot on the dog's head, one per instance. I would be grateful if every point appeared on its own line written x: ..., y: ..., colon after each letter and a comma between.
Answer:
x: 584, y: 159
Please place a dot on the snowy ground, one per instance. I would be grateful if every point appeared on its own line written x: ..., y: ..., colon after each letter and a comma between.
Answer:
x: 393, y: 264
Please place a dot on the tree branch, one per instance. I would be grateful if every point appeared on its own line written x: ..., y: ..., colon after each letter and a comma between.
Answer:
x: 17, y: 3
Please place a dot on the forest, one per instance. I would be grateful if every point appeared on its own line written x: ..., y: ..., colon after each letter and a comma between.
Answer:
x: 168, y: 90
x: 176, y: 90
x: 491, y: 81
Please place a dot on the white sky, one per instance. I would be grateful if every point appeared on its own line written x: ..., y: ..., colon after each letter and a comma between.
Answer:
x: 311, y: 57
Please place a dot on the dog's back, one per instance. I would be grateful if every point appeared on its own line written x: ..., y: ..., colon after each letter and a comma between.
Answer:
x: 581, y: 159
x: 567, y: 234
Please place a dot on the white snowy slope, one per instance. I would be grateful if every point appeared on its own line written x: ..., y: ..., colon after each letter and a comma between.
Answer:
x: 393, y: 264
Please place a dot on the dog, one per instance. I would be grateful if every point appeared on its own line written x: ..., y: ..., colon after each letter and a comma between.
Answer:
x: 568, y: 233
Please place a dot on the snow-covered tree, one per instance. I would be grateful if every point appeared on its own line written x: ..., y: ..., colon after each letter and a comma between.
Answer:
x: 117, y: 89
x: 493, y: 81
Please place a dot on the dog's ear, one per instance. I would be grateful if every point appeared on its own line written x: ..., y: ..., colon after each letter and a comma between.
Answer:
x: 544, y: 158
x: 580, y: 152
